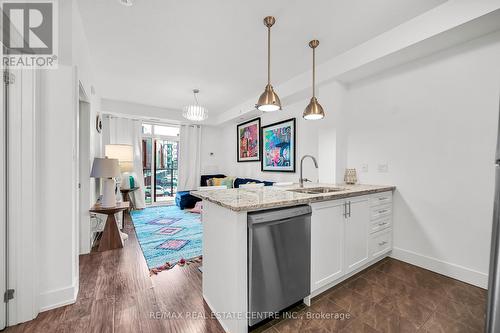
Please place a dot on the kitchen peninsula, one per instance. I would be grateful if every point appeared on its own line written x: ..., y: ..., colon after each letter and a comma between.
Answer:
x: 350, y: 229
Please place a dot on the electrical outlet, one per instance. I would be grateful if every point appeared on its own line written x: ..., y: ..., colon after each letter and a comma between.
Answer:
x: 364, y: 168
x: 383, y: 168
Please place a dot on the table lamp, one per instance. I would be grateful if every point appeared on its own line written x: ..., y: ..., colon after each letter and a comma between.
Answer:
x: 125, y: 156
x: 107, y: 169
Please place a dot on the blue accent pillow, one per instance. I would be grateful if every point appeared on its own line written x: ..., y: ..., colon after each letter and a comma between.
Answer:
x: 240, y: 181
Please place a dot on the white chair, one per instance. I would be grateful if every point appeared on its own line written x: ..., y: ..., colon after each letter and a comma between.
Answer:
x: 209, y: 188
x: 252, y: 185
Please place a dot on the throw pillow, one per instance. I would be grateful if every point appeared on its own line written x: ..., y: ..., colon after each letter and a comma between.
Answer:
x: 228, y: 181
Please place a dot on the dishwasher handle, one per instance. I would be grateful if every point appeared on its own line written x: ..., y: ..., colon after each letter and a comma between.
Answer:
x: 274, y: 222
x: 278, y: 214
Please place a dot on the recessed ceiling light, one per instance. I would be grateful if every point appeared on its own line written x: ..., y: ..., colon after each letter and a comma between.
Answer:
x: 127, y: 3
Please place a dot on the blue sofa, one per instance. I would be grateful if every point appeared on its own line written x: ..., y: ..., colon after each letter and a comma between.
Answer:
x: 241, y: 181
x: 185, y: 200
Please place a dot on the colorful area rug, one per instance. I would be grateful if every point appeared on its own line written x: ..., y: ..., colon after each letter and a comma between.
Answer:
x: 168, y: 236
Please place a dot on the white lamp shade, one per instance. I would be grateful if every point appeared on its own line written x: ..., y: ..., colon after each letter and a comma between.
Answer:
x: 123, y: 153
x: 127, y: 166
x: 195, y: 112
x: 105, y: 168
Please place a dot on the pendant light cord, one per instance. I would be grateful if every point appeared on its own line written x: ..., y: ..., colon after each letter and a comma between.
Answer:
x: 196, y: 98
x: 269, y: 55
x: 314, y: 72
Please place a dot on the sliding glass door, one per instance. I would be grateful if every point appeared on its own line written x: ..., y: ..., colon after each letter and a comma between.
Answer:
x: 160, y: 147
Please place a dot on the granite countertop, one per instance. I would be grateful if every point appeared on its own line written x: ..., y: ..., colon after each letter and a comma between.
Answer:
x: 250, y: 199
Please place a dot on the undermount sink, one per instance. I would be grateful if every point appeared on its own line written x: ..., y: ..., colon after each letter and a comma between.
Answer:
x: 318, y: 190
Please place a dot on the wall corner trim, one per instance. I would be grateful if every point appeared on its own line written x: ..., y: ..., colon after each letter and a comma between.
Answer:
x: 59, y: 297
x: 455, y: 271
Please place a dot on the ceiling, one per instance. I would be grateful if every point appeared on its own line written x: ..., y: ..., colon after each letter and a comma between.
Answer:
x: 156, y: 51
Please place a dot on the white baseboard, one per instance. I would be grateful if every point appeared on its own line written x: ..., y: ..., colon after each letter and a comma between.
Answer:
x: 332, y: 284
x: 442, y: 267
x: 56, y: 298
x: 221, y: 320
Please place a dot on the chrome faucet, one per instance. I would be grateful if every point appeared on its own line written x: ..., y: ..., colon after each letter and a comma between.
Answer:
x: 302, y: 180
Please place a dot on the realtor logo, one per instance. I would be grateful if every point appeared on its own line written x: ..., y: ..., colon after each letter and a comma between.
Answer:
x: 29, y: 33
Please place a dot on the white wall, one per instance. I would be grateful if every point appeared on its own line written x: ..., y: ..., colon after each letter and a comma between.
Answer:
x: 56, y: 174
x: 306, y: 144
x: 59, y: 244
x: 323, y: 139
x: 434, y: 122
x: 211, y: 150
x: 141, y: 111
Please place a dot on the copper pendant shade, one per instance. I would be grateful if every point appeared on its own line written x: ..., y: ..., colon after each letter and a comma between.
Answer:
x: 314, y: 110
x: 269, y: 100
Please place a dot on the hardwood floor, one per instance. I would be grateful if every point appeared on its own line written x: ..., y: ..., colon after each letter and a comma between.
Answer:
x: 392, y: 296
x: 117, y: 295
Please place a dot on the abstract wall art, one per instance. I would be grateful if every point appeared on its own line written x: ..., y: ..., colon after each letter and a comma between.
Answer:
x: 278, y: 146
x: 249, y: 141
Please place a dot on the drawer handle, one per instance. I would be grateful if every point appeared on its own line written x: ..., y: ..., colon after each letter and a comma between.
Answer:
x: 382, y: 243
x: 382, y: 223
x: 382, y: 211
x: 383, y: 198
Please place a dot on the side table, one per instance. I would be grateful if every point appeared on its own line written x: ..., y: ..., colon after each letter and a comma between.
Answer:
x: 110, y: 238
x: 126, y: 195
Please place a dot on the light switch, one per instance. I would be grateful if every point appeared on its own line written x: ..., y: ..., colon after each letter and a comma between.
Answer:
x: 364, y: 168
x: 383, y: 168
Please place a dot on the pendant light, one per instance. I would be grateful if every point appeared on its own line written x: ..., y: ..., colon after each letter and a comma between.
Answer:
x: 314, y: 111
x: 269, y: 101
x: 195, y: 112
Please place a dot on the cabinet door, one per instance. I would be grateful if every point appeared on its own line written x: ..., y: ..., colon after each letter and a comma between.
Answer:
x: 356, y: 233
x: 327, y: 243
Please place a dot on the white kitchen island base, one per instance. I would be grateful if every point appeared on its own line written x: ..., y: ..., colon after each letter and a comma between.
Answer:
x: 350, y: 230
x: 225, y: 266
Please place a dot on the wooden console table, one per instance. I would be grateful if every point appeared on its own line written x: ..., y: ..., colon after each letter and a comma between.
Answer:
x: 126, y: 198
x: 110, y: 238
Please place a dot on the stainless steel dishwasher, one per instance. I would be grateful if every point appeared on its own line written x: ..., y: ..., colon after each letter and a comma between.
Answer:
x: 279, y: 260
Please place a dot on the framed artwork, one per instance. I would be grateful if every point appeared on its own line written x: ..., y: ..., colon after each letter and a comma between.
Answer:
x: 248, y: 141
x: 278, y: 146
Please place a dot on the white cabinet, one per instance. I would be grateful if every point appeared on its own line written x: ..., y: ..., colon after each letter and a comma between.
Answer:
x: 347, y: 235
x: 380, y: 243
x: 327, y: 242
x: 356, y: 233
x: 380, y: 238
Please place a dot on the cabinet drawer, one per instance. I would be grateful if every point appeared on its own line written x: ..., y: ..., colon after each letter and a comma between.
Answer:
x: 381, y: 199
x: 380, y: 224
x: 380, y: 242
x: 380, y: 212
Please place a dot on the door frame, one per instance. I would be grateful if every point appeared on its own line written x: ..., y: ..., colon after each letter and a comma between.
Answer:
x: 153, y: 169
x: 83, y: 120
x: 153, y: 138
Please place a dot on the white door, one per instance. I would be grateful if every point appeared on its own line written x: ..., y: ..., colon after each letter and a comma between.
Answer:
x: 356, y: 233
x: 21, y: 193
x: 327, y: 243
x: 3, y: 203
